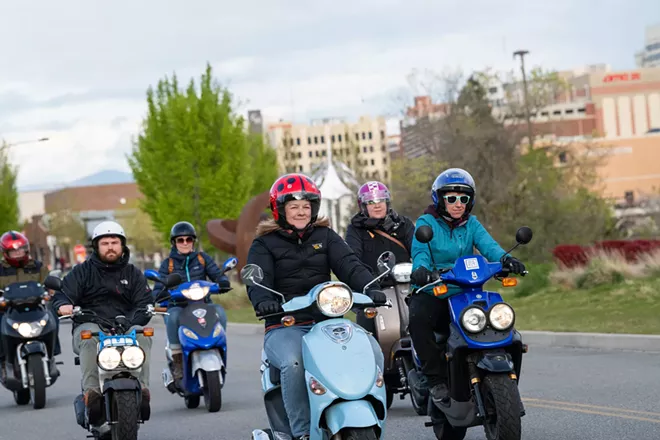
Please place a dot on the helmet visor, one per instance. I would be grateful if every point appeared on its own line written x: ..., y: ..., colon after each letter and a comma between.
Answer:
x: 375, y: 197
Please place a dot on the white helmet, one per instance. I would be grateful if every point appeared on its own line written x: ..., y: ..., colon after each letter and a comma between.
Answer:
x: 108, y: 228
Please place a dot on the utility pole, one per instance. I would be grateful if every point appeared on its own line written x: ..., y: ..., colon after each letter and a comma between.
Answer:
x: 530, y: 134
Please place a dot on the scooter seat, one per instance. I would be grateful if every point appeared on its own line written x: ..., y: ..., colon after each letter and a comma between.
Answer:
x: 440, y: 338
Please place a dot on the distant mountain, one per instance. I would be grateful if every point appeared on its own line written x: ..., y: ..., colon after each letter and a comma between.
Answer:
x: 105, y: 177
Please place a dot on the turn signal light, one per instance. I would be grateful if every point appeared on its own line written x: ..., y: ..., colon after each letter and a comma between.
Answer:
x: 86, y: 334
x: 288, y: 321
x: 370, y: 312
x: 440, y: 290
x: 509, y: 282
x: 148, y: 331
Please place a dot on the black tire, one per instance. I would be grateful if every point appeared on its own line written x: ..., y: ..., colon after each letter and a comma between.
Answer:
x: 36, y: 381
x: 421, y: 409
x: 125, y: 411
x: 192, y: 402
x: 212, y: 391
x: 501, y: 398
x: 390, y: 396
x: 359, y: 434
x: 22, y: 397
x: 445, y: 431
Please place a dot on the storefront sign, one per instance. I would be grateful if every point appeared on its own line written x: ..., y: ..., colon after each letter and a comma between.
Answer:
x: 631, y: 76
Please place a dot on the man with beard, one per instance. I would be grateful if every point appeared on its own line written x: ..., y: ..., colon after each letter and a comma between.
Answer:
x: 109, y: 286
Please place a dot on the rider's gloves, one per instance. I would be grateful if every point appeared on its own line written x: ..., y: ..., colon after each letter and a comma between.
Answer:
x: 514, y: 265
x: 421, y: 276
x: 224, y: 284
x: 268, y: 307
x: 377, y: 296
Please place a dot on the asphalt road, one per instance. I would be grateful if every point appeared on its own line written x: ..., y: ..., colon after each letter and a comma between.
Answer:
x: 569, y: 394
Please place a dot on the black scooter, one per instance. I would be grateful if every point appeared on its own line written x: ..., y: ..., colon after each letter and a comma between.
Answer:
x: 29, y: 335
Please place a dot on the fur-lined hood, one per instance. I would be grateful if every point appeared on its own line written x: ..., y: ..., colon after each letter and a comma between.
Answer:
x: 270, y: 225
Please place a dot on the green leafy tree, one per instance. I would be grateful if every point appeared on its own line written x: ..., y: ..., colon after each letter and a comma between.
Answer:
x: 9, y: 220
x: 194, y: 159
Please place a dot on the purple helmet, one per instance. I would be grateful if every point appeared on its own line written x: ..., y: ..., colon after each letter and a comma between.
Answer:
x: 373, y: 192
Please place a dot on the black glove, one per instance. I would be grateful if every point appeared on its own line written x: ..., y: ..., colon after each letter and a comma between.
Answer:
x: 377, y: 296
x: 422, y: 276
x: 268, y: 307
x: 514, y: 265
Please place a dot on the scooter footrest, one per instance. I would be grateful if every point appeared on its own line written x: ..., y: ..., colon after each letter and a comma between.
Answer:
x: 428, y: 424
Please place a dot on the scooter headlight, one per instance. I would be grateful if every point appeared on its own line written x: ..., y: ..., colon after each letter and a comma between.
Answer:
x: 401, y: 272
x: 335, y: 300
x: 108, y: 358
x: 29, y: 329
x: 195, y: 292
x: 501, y: 316
x: 189, y: 333
x: 132, y: 357
x: 474, y: 320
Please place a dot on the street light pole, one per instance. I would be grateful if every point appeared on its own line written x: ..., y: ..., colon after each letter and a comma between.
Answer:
x: 521, y: 54
x: 44, y: 139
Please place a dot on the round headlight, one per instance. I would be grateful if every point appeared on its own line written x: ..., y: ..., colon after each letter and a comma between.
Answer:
x: 474, y: 320
x: 133, y: 357
x: 501, y: 316
x: 109, y: 358
x: 195, y: 293
x: 335, y: 300
x: 401, y: 272
x: 29, y: 329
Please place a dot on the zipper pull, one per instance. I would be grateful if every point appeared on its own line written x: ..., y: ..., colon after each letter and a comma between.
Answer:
x: 299, y: 241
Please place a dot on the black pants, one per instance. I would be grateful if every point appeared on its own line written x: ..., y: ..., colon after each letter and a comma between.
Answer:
x: 429, y: 314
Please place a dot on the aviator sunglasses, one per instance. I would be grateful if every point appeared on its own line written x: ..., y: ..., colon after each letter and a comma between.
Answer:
x: 452, y: 199
x: 182, y: 240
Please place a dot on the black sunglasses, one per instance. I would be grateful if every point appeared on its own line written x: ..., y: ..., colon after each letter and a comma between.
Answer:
x: 182, y: 240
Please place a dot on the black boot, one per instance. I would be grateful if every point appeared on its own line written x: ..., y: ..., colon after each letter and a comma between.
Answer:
x: 440, y: 393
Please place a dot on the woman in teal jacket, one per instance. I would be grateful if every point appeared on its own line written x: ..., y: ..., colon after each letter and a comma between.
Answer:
x: 455, y: 234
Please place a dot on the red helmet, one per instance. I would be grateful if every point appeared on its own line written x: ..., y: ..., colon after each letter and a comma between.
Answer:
x: 293, y: 187
x: 11, y: 241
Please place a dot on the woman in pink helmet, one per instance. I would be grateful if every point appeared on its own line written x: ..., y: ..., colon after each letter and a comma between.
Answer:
x: 377, y: 228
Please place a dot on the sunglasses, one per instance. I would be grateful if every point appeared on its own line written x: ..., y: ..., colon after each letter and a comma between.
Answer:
x: 182, y: 240
x: 452, y: 199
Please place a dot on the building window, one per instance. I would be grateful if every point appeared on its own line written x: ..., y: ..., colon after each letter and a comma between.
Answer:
x: 339, y: 137
x: 332, y: 138
x: 357, y: 136
x: 323, y: 153
x: 364, y: 149
x: 297, y: 141
x: 323, y: 139
x: 371, y: 148
x: 310, y: 154
x: 384, y: 161
x: 382, y: 134
x: 630, y: 197
x: 299, y: 155
x: 364, y: 135
x: 316, y: 153
x: 562, y: 157
x: 309, y: 141
x: 300, y: 168
x: 385, y: 174
x: 373, y: 162
x: 383, y: 147
x: 316, y: 139
x: 370, y: 136
x: 357, y: 150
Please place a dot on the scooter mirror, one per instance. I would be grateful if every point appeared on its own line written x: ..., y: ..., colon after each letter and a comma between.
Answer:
x: 386, y: 261
x: 173, y: 279
x: 53, y: 283
x: 252, y: 274
x: 424, y: 234
x: 152, y: 275
x: 524, y: 235
x: 230, y: 264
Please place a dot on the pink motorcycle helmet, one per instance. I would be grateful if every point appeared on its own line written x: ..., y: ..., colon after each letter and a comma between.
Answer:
x: 373, y: 192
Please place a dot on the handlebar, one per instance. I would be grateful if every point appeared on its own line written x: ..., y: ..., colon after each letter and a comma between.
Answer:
x: 387, y: 304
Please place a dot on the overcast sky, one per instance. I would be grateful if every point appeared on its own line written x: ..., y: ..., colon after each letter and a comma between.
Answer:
x: 77, y: 70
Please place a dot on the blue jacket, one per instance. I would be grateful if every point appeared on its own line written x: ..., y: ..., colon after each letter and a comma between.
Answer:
x: 190, y: 268
x: 449, y: 244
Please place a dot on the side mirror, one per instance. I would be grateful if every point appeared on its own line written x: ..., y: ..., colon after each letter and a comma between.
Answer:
x: 252, y: 274
x: 424, y: 234
x: 386, y: 261
x: 152, y: 275
x: 524, y: 235
x: 53, y: 283
x: 230, y: 264
x: 56, y: 273
x: 173, y: 279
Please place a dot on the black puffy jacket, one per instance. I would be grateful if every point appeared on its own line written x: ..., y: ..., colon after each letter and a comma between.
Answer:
x: 293, y: 265
x: 368, y: 244
x: 107, y: 289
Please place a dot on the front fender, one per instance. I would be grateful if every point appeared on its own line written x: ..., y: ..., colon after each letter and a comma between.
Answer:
x: 496, y: 362
x: 350, y: 414
x: 33, y: 347
x: 121, y: 384
x: 206, y: 360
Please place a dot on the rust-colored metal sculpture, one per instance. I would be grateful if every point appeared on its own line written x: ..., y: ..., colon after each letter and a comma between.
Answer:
x: 235, y: 236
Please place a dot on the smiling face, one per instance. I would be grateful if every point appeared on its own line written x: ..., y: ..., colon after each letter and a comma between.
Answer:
x: 184, y: 244
x: 377, y: 209
x: 298, y: 213
x: 455, y: 203
x: 110, y: 249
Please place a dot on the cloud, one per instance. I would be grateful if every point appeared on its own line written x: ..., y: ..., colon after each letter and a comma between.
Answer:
x: 77, y: 71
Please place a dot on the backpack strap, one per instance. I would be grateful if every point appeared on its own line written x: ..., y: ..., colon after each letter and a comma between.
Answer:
x: 201, y: 259
x: 170, y: 265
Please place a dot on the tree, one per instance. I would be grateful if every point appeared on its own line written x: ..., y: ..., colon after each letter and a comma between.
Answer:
x: 194, y: 159
x: 411, y: 184
x: 68, y: 230
x: 140, y: 231
x: 8, y: 193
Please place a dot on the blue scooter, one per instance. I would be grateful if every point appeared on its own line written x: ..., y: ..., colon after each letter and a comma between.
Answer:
x: 483, y: 349
x: 346, y: 388
x: 203, y: 342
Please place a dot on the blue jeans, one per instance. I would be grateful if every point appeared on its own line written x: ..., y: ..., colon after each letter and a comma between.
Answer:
x: 172, y: 324
x: 283, y: 347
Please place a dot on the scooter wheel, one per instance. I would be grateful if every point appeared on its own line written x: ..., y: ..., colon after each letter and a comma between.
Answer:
x: 192, y: 402
x: 444, y: 431
x: 390, y: 396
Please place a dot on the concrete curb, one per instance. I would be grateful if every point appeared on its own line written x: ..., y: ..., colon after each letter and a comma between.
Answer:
x: 605, y: 341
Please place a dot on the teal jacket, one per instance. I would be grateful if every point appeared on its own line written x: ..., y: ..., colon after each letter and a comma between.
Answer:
x: 449, y: 244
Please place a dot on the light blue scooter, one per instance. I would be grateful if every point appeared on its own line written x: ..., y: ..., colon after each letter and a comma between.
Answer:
x: 346, y: 388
